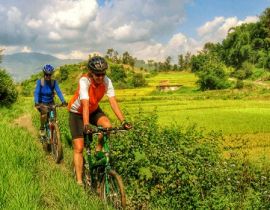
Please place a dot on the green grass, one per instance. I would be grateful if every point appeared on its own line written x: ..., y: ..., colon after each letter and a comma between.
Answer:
x: 182, y: 78
x: 29, y: 178
x: 230, y: 116
x: 32, y: 181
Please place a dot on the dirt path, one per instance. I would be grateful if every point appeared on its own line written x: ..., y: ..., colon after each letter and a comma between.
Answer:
x: 25, y: 121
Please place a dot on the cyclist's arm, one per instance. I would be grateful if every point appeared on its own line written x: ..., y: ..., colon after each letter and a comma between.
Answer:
x: 116, y: 109
x: 58, y: 91
x: 84, y: 86
x: 37, y: 92
x: 113, y: 102
x: 85, y: 105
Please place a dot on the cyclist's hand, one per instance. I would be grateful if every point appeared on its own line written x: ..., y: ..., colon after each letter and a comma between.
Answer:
x: 87, y: 129
x: 37, y: 106
x: 64, y: 103
x: 126, y: 125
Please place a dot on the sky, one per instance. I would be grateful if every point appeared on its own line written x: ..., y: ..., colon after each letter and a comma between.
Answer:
x: 147, y: 29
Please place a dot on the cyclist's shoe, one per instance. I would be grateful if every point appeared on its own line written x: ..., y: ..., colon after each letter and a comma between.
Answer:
x: 42, y: 133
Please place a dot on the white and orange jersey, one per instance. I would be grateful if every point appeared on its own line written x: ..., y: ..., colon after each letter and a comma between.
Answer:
x: 87, y: 90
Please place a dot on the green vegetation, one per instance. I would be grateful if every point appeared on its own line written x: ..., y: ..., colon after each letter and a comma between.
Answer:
x: 29, y: 178
x: 183, y: 168
x: 189, y: 149
x: 8, y: 92
x: 164, y: 165
x: 245, y: 50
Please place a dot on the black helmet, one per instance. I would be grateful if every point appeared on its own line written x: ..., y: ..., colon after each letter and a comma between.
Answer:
x: 97, y: 65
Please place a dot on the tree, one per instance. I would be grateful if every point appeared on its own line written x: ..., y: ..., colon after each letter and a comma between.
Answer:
x: 8, y: 92
x: 212, y: 75
x: 117, y: 73
x: 115, y: 57
x: 181, y: 62
x: 187, y: 61
x: 167, y: 63
x: 150, y: 63
x: 265, y: 20
x: 109, y: 53
x: 198, y: 61
x: 1, y: 50
x: 125, y: 58
x: 64, y: 73
x: 138, y: 80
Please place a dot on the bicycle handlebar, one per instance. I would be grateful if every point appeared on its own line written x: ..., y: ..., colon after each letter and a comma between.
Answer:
x: 51, y: 106
x: 99, y: 129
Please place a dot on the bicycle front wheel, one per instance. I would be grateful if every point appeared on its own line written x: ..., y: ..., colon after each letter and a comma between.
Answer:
x: 56, y: 146
x: 112, y: 190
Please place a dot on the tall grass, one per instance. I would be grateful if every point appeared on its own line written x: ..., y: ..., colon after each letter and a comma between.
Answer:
x: 29, y: 179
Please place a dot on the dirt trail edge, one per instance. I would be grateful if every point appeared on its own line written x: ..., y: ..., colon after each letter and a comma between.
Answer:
x: 25, y: 121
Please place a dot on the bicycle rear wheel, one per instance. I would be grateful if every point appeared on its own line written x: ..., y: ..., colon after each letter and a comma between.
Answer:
x: 56, y: 146
x: 112, y: 190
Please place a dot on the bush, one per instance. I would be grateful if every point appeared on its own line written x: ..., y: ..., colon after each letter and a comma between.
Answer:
x: 212, y: 75
x: 184, y: 168
x: 245, y: 72
x: 64, y: 73
x: 138, y: 80
x: 239, y: 84
x: 117, y: 73
x: 8, y: 92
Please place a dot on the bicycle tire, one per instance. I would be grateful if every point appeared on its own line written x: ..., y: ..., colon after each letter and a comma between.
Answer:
x: 56, y: 145
x: 116, y: 195
x: 87, y: 177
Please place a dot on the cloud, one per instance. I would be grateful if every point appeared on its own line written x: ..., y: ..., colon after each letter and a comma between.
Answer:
x: 70, y: 14
x: 14, y: 15
x: 210, y: 26
x: 34, y: 23
x: 54, y: 36
x: 147, y: 29
x: 130, y: 33
x: 217, y: 29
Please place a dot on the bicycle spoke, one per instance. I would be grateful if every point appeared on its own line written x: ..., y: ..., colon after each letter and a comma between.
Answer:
x: 112, y: 190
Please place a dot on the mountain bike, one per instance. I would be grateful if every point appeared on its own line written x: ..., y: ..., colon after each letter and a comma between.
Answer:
x: 51, y: 140
x: 98, y: 174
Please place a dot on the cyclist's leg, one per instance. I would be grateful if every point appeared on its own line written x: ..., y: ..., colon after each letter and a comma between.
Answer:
x: 76, y: 128
x: 43, y: 118
x: 105, y: 123
x: 99, y: 118
x: 78, y: 145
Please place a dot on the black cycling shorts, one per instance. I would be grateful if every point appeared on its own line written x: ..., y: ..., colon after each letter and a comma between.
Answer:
x: 76, y: 122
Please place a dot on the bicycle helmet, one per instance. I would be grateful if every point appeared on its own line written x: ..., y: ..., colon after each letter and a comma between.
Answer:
x: 48, y: 69
x: 97, y: 65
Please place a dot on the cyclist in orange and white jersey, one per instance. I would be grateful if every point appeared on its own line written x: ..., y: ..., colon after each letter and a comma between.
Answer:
x: 84, y: 108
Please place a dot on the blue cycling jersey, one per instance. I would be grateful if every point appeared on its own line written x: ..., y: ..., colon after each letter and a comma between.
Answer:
x: 45, y: 94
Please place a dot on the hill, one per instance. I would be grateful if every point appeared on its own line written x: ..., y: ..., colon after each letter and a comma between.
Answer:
x: 22, y: 65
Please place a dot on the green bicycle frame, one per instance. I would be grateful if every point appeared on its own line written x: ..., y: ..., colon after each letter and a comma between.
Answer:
x: 93, y: 162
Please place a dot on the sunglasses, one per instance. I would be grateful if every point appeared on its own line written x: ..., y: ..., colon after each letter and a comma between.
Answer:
x: 47, y: 75
x: 99, y: 75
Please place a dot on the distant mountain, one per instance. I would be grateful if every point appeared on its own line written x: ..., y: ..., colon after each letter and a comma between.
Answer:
x: 22, y: 65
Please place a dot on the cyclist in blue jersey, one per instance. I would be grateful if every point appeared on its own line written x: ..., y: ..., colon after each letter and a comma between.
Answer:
x: 44, y: 94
